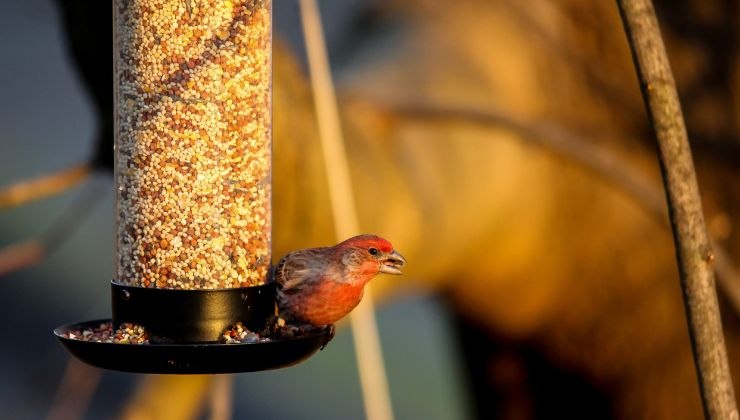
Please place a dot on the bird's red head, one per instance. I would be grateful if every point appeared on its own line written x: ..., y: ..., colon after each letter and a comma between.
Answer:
x: 370, y: 255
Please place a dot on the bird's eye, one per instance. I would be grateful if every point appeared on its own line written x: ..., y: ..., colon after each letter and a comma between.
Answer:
x: 373, y: 251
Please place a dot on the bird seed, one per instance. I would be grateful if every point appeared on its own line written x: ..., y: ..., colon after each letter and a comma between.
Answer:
x: 193, y: 143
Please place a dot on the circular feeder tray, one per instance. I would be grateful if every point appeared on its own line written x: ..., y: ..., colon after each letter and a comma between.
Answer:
x: 192, y: 358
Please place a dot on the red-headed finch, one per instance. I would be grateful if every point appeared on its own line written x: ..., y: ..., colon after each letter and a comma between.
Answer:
x: 319, y: 286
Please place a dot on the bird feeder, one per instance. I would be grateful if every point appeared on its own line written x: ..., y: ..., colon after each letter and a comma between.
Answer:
x: 193, y: 193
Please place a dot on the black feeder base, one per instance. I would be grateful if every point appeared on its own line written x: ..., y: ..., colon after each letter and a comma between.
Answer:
x: 184, y: 327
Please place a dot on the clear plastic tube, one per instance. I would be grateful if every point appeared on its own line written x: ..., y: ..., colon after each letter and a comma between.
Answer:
x: 193, y: 142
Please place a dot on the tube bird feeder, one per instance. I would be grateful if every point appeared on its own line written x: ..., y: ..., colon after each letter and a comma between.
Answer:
x: 193, y: 194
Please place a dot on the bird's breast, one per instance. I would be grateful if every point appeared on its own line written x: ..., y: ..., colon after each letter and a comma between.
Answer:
x: 326, y: 303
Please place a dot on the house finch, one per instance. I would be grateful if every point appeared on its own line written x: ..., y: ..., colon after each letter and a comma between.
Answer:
x: 319, y: 286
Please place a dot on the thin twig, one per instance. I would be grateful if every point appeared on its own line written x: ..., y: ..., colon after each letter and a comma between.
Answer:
x: 373, y: 379
x: 43, y: 186
x: 590, y: 156
x: 693, y: 250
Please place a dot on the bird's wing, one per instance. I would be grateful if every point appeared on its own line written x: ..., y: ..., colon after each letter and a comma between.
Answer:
x: 293, y: 271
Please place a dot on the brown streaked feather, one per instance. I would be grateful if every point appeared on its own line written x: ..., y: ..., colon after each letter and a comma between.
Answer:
x: 294, y: 271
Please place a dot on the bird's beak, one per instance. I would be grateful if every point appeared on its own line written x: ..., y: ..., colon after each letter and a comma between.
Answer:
x: 392, y: 263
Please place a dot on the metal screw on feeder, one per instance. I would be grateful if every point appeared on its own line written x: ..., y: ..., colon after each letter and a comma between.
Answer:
x: 192, y: 175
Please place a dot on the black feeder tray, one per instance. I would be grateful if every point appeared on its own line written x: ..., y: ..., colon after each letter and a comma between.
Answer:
x: 184, y: 327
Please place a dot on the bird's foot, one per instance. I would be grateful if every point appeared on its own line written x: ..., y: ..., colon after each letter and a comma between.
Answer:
x: 287, y: 330
x: 330, y: 330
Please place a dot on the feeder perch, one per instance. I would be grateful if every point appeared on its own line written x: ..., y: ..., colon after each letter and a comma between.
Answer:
x: 193, y: 148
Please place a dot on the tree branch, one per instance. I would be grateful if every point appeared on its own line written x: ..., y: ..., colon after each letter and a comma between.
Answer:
x: 693, y: 251
x: 592, y: 157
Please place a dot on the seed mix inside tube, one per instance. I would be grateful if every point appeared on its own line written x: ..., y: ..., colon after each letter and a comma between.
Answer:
x: 193, y: 142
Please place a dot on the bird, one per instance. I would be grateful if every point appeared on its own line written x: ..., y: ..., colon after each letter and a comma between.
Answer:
x: 317, y: 287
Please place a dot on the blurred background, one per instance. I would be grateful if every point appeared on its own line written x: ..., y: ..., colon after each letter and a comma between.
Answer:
x: 501, y: 146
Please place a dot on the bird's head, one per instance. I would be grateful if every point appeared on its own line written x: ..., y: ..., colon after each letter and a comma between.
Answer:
x: 370, y: 255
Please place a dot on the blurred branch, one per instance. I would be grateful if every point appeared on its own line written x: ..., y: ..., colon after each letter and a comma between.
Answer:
x: 75, y: 391
x: 43, y: 186
x: 222, y: 396
x: 722, y: 145
x: 21, y: 255
x: 590, y: 156
x: 16, y: 257
x: 693, y: 251
x: 728, y: 278
x: 168, y: 397
x: 551, y: 37
x: 373, y: 377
